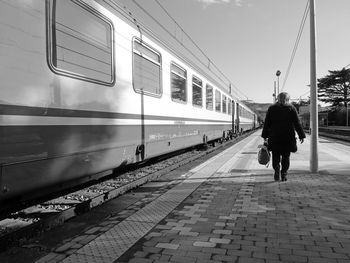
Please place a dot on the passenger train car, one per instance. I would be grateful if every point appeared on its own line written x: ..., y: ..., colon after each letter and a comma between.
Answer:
x: 83, y: 90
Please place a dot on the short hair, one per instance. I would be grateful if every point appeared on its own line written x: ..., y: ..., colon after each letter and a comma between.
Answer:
x: 283, y: 98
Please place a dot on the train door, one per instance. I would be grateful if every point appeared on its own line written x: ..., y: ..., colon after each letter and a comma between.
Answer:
x: 233, y: 117
x: 146, y: 82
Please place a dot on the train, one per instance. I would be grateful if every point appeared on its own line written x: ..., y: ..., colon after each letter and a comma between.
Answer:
x: 85, y: 90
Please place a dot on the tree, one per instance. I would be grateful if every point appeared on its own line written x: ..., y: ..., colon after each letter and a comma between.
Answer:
x: 334, y: 88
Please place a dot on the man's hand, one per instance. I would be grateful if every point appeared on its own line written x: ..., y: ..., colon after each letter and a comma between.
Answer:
x: 301, y: 140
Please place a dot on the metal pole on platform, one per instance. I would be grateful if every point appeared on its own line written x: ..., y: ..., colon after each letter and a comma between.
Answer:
x: 347, y: 114
x: 313, y: 92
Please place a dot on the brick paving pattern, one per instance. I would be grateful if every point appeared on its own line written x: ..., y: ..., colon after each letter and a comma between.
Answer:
x: 229, y: 209
x: 235, y: 217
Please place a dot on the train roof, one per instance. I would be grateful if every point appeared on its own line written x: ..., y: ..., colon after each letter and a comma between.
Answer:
x: 134, y: 15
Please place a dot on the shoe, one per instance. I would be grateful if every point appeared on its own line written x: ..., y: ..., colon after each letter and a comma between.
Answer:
x: 284, y: 177
x: 276, y: 176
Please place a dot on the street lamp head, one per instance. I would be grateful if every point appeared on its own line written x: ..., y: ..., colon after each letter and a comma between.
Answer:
x: 278, y: 73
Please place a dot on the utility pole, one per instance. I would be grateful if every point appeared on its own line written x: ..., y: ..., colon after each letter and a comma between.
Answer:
x: 346, y: 101
x: 313, y: 92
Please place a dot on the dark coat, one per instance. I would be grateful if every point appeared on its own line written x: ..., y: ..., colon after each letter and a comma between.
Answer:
x: 280, y: 125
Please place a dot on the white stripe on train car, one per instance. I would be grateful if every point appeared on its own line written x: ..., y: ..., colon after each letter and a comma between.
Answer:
x: 24, y: 120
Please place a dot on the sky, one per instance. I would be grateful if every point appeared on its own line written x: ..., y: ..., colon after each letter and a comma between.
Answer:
x: 249, y: 40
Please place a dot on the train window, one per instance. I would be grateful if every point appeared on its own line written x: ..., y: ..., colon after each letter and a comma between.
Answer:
x: 80, y: 42
x: 209, y: 97
x: 146, y: 69
x: 224, y: 105
x: 178, y: 83
x: 197, y: 98
x: 229, y: 106
x: 217, y: 101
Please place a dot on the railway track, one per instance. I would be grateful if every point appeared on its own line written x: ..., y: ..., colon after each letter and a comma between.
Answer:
x: 21, y: 225
x: 334, y: 133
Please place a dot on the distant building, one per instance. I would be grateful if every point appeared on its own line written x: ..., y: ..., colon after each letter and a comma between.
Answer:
x: 304, y: 115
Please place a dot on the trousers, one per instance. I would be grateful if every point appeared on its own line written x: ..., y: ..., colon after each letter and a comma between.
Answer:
x: 280, y: 159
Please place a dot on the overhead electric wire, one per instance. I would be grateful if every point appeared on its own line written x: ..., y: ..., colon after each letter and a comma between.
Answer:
x: 195, y: 44
x: 167, y: 31
x: 128, y: 15
x: 322, y: 82
x: 183, y: 31
x: 296, y: 44
x: 302, y: 95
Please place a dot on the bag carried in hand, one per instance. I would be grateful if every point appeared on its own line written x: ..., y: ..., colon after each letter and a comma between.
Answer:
x: 264, y: 155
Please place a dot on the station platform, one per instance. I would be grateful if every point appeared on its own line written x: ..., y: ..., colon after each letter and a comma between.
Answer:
x: 228, y: 209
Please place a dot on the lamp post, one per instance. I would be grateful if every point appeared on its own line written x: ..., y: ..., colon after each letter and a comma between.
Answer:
x: 313, y: 92
x: 278, y: 73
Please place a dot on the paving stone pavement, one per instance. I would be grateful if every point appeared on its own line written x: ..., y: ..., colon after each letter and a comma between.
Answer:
x: 229, y: 209
x: 235, y: 217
